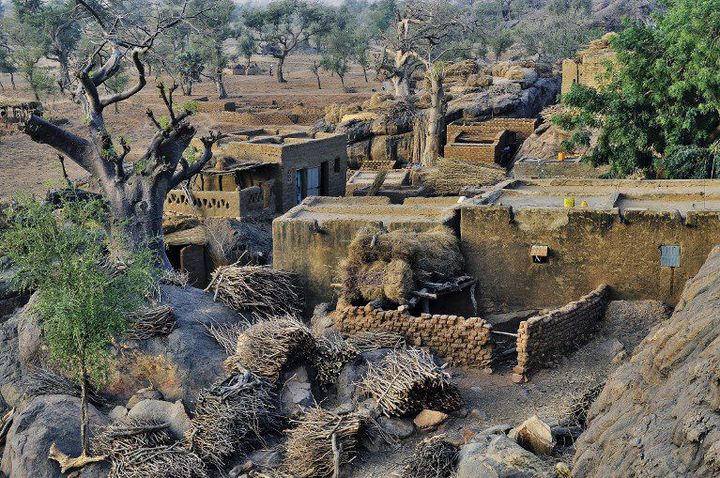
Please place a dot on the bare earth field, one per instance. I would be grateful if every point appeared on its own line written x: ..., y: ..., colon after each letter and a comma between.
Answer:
x: 30, y: 168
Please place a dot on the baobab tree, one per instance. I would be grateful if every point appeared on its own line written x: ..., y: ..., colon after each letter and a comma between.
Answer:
x: 136, y: 194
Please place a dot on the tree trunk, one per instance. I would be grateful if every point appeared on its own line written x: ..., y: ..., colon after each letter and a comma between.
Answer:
x: 401, y: 86
x: 247, y: 67
x: 280, y: 75
x: 84, y: 436
x: 12, y: 80
x: 317, y: 77
x: 435, y: 121
x: 365, y: 74
x: 342, y: 81
x: 220, y: 84
x: 64, y: 74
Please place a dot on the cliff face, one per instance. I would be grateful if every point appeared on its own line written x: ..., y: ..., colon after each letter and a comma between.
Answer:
x: 658, y: 415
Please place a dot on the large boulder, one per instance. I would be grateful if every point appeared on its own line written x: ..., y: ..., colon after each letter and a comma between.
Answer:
x: 296, y: 392
x: 497, y: 456
x: 658, y: 414
x: 47, y: 419
x: 172, y: 414
x: 182, y: 363
x: 10, y: 370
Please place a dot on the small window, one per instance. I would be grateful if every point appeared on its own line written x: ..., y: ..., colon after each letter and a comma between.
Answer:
x: 539, y: 254
x: 336, y: 165
x: 670, y: 256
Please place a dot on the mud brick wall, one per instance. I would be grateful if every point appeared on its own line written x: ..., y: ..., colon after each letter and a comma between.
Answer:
x: 544, y: 338
x: 460, y: 340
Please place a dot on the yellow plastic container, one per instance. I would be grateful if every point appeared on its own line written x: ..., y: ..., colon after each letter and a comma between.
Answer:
x: 561, y: 156
x: 584, y: 204
x: 569, y: 202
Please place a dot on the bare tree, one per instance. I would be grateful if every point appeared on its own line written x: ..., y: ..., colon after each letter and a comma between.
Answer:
x: 135, y: 194
x: 397, y: 62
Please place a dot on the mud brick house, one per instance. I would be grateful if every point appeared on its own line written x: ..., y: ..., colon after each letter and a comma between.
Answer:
x: 587, y: 69
x: 492, y: 142
x: 263, y: 172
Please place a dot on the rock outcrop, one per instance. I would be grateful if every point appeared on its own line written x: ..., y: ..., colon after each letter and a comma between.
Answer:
x: 491, y: 455
x: 658, y: 413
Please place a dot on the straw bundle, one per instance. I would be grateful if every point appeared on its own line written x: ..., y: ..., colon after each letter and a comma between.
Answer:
x: 241, y: 408
x: 144, y: 449
x: 156, y: 322
x: 263, y: 289
x: 321, y: 444
x: 451, y: 175
x: 433, y: 458
x: 266, y: 347
x: 226, y: 335
x: 407, y: 381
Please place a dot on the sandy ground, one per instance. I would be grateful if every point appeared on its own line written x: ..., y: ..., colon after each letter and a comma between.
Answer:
x: 495, y: 400
x: 30, y: 168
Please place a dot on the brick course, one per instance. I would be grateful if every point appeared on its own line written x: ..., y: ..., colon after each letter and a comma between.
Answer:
x: 544, y: 338
x: 461, y: 341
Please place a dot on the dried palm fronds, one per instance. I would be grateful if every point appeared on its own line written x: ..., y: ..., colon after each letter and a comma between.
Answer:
x: 262, y: 289
x: 267, y: 346
x: 321, y: 443
x: 41, y: 381
x: 156, y: 322
x: 144, y: 449
x: 408, y: 381
x: 241, y: 408
x: 451, y: 175
x: 334, y: 352
x: 227, y: 334
x: 433, y: 458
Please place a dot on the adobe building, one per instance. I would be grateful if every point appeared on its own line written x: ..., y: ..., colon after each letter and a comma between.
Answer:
x: 262, y: 172
x: 589, y: 67
x: 493, y: 142
x: 527, y: 250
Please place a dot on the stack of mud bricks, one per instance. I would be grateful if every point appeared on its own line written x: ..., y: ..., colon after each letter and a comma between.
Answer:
x: 461, y: 341
x: 544, y: 338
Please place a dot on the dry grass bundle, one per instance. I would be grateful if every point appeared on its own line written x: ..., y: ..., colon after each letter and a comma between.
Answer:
x: 434, y: 457
x: 451, y: 175
x: 335, y: 112
x: 322, y: 443
x: 41, y: 381
x: 176, y: 278
x: 226, y: 335
x: 387, y: 265
x: 240, y: 409
x: 263, y: 289
x: 407, y: 381
x: 577, y: 405
x: 334, y: 352
x: 156, y: 322
x: 144, y: 449
x: 267, y: 346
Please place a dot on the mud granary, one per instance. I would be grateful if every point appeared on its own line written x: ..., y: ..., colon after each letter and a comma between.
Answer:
x: 491, y: 143
x: 261, y: 172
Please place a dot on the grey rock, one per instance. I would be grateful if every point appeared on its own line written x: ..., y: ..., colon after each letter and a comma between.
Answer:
x: 173, y: 414
x: 496, y: 456
x: 352, y: 373
x: 118, y: 413
x: 296, y: 392
x: 320, y: 322
x: 47, y: 419
x: 398, y: 427
x: 266, y: 458
x: 148, y: 393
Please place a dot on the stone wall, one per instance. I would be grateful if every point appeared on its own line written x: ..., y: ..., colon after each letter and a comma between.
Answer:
x: 462, y: 341
x: 547, y: 337
x: 586, y: 248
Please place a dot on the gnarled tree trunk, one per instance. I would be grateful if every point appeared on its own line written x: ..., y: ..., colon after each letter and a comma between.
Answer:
x: 280, y: 65
x: 435, y: 127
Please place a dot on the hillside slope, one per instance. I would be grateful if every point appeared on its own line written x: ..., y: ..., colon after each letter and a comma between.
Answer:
x: 658, y: 414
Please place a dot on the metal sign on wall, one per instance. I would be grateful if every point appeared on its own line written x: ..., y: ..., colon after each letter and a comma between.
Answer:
x: 670, y: 256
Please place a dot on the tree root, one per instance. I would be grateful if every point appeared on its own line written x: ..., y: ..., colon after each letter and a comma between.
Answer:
x: 68, y: 463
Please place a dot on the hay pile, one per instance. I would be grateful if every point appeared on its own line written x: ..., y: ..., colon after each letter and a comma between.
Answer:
x: 241, y: 409
x: 405, y: 382
x: 387, y: 266
x: 262, y: 289
x: 226, y: 335
x: 334, y: 352
x: 267, y: 346
x: 144, y: 449
x: 322, y: 443
x: 451, y: 175
x: 335, y: 112
x: 434, y: 457
x: 156, y: 322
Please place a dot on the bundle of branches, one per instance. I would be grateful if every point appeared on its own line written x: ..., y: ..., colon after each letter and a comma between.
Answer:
x: 142, y: 448
x: 322, y: 443
x: 451, y: 175
x: 267, y: 346
x: 41, y: 381
x: 239, y: 409
x: 387, y: 265
x: 408, y: 381
x: 334, y: 352
x: 155, y: 322
x: 577, y: 405
x: 434, y: 457
x: 226, y: 335
x: 263, y: 289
